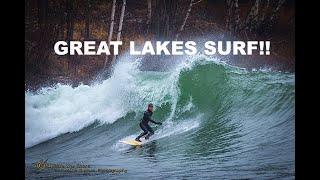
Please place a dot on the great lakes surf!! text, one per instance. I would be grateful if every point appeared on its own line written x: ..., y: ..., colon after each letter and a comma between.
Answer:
x: 163, y: 48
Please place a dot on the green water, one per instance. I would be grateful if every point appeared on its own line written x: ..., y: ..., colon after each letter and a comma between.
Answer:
x: 219, y: 121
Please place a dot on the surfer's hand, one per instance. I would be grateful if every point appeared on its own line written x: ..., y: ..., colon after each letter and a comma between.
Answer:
x: 159, y: 123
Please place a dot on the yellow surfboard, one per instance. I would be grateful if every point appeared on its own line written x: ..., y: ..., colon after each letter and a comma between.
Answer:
x: 132, y: 142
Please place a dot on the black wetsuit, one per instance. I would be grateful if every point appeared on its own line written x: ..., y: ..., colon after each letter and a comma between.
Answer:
x: 145, y: 126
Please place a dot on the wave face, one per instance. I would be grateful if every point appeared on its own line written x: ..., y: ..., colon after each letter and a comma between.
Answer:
x: 218, y: 121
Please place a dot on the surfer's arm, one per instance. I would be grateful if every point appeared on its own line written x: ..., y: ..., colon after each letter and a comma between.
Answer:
x: 155, y: 122
x: 147, y: 117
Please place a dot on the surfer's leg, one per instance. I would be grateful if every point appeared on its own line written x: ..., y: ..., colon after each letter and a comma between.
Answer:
x: 145, y: 131
x: 151, y: 132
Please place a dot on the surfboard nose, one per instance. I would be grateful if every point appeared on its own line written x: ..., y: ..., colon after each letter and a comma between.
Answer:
x: 131, y: 142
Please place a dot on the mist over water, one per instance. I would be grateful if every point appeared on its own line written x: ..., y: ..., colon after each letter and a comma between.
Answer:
x: 218, y: 121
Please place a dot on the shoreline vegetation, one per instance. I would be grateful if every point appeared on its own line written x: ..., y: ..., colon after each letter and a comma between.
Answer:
x: 47, y: 22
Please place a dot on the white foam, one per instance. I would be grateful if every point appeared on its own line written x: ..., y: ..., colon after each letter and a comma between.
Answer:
x: 188, y: 106
x: 61, y: 109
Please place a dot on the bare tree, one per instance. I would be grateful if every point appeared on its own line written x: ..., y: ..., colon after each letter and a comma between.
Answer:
x: 229, y: 4
x: 120, y: 25
x: 259, y: 20
x: 87, y: 20
x: 149, y: 14
x: 70, y: 29
x: 121, y: 20
x: 236, y: 16
x: 111, y: 29
x: 252, y: 17
x: 233, y: 24
x: 70, y: 19
x: 268, y: 20
x: 275, y: 13
x: 186, y: 18
x: 61, y: 27
x: 164, y: 19
x: 264, y: 11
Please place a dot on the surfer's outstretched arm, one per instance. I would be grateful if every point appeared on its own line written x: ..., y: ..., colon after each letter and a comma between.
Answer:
x: 147, y: 117
x: 155, y: 122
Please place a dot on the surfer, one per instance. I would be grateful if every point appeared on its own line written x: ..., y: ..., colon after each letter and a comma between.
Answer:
x: 144, y: 123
